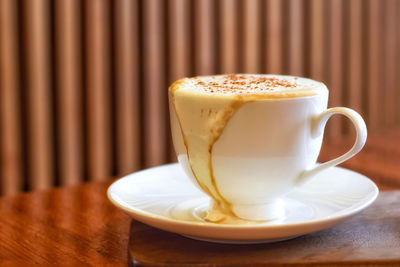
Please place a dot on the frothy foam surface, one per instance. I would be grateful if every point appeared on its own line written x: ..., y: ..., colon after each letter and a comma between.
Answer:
x: 252, y: 84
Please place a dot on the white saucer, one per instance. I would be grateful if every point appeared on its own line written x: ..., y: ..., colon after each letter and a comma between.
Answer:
x: 163, y: 197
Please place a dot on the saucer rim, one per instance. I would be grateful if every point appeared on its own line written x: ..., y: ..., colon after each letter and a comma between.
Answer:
x: 139, y: 214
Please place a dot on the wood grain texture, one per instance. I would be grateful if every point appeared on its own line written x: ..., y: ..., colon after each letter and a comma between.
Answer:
x: 11, y: 171
x: 127, y: 88
x: 355, y: 59
x: 179, y: 48
x: 36, y: 21
x: 229, y: 53
x: 73, y: 226
x: 98, y: 88
x: 367, y: 239
x: 68, y: 23
x: 274, y: 39
x: 335, y: 76
x: 155, y: 88
x: 204, y: 37
x: 296, y: 37
x: 252, y: 36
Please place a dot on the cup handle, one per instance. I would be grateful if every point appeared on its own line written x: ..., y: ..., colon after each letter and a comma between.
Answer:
x: 317, y: 128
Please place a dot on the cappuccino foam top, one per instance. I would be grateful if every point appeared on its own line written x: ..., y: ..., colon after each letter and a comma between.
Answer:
x: 251, y: 84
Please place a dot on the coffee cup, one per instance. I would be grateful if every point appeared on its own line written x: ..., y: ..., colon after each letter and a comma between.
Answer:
x: 247, y: 140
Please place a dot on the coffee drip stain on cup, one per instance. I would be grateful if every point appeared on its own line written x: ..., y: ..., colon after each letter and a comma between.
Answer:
x: 203, y: 107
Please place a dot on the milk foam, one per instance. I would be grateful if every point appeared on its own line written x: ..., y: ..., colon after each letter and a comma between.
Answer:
x: 252, y: 84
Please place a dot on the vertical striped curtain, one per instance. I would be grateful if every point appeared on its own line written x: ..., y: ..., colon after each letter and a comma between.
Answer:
x: 83, y: 84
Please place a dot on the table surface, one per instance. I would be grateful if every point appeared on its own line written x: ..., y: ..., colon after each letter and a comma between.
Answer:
x: 77, y: 225
x: 373, y: 236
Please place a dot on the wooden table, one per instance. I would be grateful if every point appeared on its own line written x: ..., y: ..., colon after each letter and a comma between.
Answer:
x: 77, y: 226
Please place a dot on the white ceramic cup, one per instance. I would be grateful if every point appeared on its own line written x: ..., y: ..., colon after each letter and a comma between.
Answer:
x: 268, y: 148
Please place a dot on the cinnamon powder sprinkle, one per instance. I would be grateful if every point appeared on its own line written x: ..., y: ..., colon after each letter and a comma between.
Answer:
x: 233, y: 83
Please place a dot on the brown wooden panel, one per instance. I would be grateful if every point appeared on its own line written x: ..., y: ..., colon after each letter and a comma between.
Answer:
x: 36, y: 21
x: 390, y: 48
x: 229, y: 34
x: 317, y: 40
x: 335, y: 77
x: 179, y: 47
x: 355, y: 59
x: 398, y: 64
x: 97, y: 22
x: 127, y: 86
x: 10, y: 154
x: 252, y: 36
x: 397, y: 56
x: 274, y: 28
x: 374, y: 64
x: 296, y: 37
x: 262, y: 30
x: 69, y: 90
x: 155, y: 89
x: 179, y: 42
x: 204, y: 37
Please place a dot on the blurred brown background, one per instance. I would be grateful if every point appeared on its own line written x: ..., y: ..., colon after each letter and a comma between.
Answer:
x: 83, y: 84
